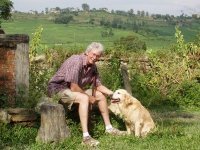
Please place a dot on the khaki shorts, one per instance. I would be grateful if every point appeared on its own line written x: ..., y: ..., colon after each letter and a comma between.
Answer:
x: 68, y: 97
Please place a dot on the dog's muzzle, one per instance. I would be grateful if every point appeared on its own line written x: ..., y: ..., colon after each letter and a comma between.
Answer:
x: 115, y: 100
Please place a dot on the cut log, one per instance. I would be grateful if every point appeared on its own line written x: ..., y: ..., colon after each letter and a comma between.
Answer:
x: 17, y: 115
x: 53, y: 124
x: 22, y: 111
x: 22, y: 114
x: 23, y: 118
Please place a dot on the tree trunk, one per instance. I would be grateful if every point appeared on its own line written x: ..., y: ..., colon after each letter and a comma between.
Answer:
x: 53, y: 124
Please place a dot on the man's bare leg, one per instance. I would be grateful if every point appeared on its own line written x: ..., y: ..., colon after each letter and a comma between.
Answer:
x: 103, y: 107
x: 83, y: 102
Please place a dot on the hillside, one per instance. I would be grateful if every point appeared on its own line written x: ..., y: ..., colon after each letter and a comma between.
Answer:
x: 158, y: 33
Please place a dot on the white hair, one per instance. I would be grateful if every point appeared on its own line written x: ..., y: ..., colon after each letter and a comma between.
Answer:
x: 95, y: 46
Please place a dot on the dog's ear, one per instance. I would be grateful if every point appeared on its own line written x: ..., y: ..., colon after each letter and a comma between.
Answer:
x: 128, y: 100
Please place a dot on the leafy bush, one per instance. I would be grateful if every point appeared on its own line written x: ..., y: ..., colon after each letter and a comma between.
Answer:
x: 107, y: 32
x: 130, y: 43
x: 63, y: 19
x: 109, y: 72
x: 187, y: 95
x: 39, y: 73
x: 171, y: 77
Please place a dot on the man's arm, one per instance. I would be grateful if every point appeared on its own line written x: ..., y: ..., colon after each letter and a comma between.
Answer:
x: 75, y: 88
x: 104, y: 90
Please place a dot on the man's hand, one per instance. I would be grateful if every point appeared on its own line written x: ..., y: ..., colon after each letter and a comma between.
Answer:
x: 110, y: 96
x: 92, y: 99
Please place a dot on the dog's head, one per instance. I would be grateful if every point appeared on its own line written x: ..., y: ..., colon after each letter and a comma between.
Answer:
x: 121, y: 96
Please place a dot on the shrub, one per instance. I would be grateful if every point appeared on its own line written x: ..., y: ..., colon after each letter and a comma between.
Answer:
x: 109, y: 72
x: 186, y: 94
x: 63, y: 19
x: 130, y: 43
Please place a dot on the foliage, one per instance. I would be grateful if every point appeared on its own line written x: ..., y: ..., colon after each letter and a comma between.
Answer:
x: 180, y: 43
x: 85, y: 7
x: 169, y: 73
x: 197, y: 40
x: 187, y: 95
x: 107, y: 32
x: 5, y: 9
x: 130, y: 43
x: 109, y: 71
x: 63, y: 19
x: 39, y: 74
x: 3, y: 98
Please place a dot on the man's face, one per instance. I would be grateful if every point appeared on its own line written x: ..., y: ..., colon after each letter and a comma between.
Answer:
x: 93, y: 56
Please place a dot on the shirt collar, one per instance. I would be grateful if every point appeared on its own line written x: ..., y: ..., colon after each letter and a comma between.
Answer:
x: 84, y: 57
x: 85, y: 61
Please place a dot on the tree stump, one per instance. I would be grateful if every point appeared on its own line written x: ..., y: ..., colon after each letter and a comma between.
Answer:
x: 53, y: 124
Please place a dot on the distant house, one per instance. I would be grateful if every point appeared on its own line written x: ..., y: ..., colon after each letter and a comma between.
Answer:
x: 54, y: 10
x: 197, y: 16
x: 33, y: 12
x: 104, y: 9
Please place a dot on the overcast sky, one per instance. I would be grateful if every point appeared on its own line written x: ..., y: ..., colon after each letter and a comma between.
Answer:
x: 172, y: 7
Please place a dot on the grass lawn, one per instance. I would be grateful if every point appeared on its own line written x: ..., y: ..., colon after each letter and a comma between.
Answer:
x: 63, y: 35
x: 80, y: 35
x: 176, y: 130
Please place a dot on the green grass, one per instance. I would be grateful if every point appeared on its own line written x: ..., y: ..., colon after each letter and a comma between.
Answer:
x: 175, y: 130
x: 75, y: 35
x: 63, y: 35
x: 157, y: 37
x: 157, y: 34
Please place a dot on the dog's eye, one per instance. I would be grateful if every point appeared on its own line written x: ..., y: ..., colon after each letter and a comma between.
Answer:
x: 118, y: 93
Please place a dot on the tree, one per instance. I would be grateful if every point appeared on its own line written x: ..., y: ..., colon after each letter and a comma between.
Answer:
x: 57, y: 9
x: 46, y: 10
x: 142, y: 13
x: 131, y: 12
x: 5, y: 9
x: 85, y: 7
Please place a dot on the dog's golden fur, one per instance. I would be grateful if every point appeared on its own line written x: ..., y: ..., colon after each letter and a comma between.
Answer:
x: 137, y: 118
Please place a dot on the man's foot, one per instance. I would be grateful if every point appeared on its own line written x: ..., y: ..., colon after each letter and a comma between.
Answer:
x: 89, y: 141
x: 114, y: 131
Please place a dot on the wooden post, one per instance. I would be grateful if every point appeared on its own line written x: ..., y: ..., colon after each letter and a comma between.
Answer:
x: 124, y: 72
x: 53, y: 124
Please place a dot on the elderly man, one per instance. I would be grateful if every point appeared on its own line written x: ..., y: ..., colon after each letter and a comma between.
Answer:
x: 70, y: 81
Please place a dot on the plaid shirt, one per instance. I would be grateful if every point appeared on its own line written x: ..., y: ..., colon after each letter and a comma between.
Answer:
x: 73, y: 70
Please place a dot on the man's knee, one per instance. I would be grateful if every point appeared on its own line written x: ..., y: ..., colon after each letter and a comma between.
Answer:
x: 100, y: 96
x: 82, y: 99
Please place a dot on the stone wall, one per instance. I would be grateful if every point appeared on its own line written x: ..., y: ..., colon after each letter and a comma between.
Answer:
x: 14, y: 67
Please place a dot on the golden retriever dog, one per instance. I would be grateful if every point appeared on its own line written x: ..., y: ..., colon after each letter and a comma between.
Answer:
x: 137, y: 118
